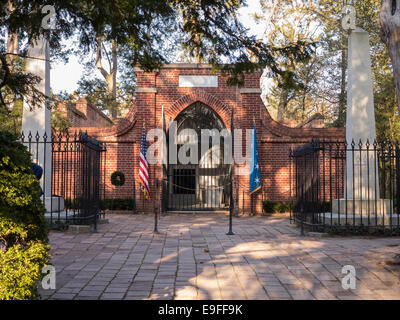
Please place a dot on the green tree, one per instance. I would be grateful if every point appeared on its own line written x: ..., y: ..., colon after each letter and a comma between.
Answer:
x: 288, y: 23
x: 23, y: 229
x: 390, y: 33
x: 323, y: 77
x: 139, y: 29
x: 96, y: 91
x: 387, y: 121
x: 334, y: 46
x: 11, y: 118
x: 386, y: 111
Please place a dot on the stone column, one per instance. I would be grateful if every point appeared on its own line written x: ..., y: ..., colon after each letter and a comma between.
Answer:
x: 37, y: 121
x: 363, y: 183
x: 362, y: 178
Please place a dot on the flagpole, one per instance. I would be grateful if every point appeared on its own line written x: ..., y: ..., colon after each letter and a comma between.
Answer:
x: 162, y: 164
x: 252, y: 194
x: 145, y: 186
x: 155, y: 230
x: 230, y: 232
x: 255, y: 166
x: 143, y: 194
x: 134, y: 211
x: 155, y: 218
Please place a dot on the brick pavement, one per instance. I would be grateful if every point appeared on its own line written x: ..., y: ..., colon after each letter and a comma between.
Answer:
x: 193, y: 258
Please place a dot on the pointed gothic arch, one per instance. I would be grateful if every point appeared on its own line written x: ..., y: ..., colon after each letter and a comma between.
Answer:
x: 204, y: 184
x: 220, y: 108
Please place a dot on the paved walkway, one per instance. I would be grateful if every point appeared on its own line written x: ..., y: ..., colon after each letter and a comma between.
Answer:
x: 193, y: 258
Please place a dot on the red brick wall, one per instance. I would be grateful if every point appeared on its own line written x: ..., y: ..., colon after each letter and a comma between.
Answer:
x: 95, y: 117
x: 84, y: 114
x: 158, y: 89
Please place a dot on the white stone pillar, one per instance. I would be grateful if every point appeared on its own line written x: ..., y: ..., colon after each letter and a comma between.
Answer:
x: 362, y: 196
x: 362, y: 182
x: 38, y: 120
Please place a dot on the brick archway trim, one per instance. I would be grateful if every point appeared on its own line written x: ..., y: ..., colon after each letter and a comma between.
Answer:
x: 223, y: 110
x: 281, y: 130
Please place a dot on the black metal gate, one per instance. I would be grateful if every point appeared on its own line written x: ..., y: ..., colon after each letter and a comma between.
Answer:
x: 322, y: 198
x: 90, y: 176
x: 70, y: 169
x: 190, y: 187
x: 307, y: 171
x: 204, y: 185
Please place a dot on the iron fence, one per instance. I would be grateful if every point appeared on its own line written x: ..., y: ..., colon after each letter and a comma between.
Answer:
x: 191, y: 188
x: 70, y: 170
x: 342, y: 187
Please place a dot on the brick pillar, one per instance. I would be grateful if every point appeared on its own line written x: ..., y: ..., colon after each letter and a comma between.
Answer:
x: 249, y: 111
x: 147, y: 110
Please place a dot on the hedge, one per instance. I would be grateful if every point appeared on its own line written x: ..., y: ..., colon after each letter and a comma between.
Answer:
x: 285, y: 206
x: 276, y: 206
x: 24, y: 248
x: 106, y: 204
x: 118, y: 204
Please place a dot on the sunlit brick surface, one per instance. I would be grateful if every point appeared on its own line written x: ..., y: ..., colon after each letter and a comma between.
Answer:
x: 193, y: 258
x: 158, y: 90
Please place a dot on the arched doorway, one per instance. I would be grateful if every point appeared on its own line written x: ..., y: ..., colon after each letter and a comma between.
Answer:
x: 202, y: 184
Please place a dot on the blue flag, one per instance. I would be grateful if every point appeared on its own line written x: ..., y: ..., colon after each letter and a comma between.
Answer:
x: 255, y: 177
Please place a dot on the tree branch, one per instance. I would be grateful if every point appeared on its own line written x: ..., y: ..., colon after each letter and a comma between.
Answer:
x: 107, y: 56
x: 99, y: 65
x: 6, y: 69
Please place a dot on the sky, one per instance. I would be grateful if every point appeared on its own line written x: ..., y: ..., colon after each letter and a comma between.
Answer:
x: 64, y: 77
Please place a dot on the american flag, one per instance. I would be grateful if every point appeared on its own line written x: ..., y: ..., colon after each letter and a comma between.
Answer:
x: 144, y: 167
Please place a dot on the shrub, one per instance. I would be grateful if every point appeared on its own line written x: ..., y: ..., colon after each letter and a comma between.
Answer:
x: 276, y: 206
x: 23, y: 229
x: 325, y: 206
x: 110, y: 204
x: 73, y: 204
x: 118, y: 204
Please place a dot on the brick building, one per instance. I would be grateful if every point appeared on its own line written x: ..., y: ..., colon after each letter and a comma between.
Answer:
x: 84, y: 114
x: 197, y: 98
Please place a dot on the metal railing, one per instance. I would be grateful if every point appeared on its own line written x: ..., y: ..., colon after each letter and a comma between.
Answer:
x: 345, y: 187
x: 70, y: 169
x: 191, y: 188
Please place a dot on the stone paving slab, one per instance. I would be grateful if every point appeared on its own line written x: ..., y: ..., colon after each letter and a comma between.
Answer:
x: 193, y: 258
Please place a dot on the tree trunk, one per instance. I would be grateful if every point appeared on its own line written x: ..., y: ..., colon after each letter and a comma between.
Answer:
x: 12, y: 40
x: 389, y: 20
x: 12, y: 45
x: 12, y: 48
x: 283, y: 102
x: 113, y: 86
x: 197, y: 58
x: 111, y: 76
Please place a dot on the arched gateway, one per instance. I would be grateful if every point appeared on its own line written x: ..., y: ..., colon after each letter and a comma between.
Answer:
x: 198, y: 178
x: 198, y: 98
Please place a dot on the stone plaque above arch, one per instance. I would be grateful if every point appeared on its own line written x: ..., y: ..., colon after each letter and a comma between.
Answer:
x: 198, y: 81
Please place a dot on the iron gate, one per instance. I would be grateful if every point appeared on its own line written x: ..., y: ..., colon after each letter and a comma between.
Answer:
x: 322, y: 199
x: 90, y: 176
x: 70, y: 175
x: 190, y: 188
x: 204, y: 185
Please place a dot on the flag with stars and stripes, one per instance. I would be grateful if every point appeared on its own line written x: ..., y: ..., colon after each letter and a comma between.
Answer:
x: 144, y: 167
x: 255, y: 176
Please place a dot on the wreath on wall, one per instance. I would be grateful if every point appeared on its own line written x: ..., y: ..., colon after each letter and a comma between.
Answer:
x: 118, y: 178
